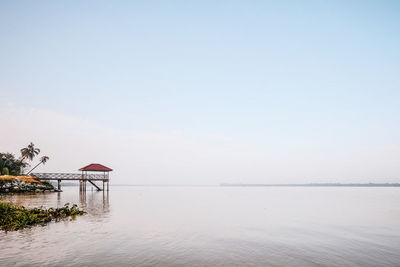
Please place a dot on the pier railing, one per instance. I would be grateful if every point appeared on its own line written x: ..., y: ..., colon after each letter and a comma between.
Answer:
x: 70, y: 176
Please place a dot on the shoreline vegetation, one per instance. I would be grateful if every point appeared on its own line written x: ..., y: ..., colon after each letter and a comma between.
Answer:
x: 11, y: 165
x: 14, y: 179
x: 318, y: 185
x: 12, y: 172
x: 13, y: 217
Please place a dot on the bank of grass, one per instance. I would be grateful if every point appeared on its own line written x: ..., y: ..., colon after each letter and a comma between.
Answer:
x: 13, y: 217
x: 21, y: 178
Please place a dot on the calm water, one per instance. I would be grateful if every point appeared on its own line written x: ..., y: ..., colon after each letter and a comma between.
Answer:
x: 213, y: 226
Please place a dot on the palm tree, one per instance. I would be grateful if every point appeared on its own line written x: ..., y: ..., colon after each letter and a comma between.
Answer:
x: 29, y: 152
x: 43, y: 161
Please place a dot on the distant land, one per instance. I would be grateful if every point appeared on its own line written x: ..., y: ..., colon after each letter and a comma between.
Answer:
x: 320, y: 185
x: 255, y: 185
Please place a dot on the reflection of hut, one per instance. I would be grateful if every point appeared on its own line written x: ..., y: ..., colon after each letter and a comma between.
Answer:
x: 95, y: 167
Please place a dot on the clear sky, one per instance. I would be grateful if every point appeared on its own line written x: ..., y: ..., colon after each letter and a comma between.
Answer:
x: 203, y: 92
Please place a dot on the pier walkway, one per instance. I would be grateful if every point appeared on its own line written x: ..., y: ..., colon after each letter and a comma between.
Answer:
x: 83, y: 177
x: 70, y: 176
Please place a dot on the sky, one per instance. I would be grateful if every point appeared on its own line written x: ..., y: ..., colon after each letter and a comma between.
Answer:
x: 205, y: 92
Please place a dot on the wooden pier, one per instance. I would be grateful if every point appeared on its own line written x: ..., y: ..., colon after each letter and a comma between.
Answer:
x: 83, y: 177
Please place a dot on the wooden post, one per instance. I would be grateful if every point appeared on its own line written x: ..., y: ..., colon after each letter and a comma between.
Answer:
x: 108, y: 181
x: 59, y: 184
x: 103, y: 185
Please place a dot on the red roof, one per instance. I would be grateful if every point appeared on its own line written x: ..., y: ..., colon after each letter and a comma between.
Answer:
x: 94, y: 167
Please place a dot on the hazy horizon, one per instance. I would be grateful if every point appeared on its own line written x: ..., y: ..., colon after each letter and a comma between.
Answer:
x: 205, y: 93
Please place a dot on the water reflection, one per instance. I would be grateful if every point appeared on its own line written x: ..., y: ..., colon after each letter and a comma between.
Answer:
x: 212, y: 226
x: 95, y: 202
x: 82, y: 198
x: 59, y: 199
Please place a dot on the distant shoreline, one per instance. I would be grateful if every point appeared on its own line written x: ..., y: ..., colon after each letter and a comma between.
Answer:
x: 315, y: 185
x: 259, y: 185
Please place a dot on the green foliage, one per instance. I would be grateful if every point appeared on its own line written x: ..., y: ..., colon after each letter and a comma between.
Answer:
x: 47, y: 184
x: 43, y: 161
x: 5, y: 171
x: 14, y: 217
x: 13, y: 164
x: 29, y: 152
x: 16, y: 166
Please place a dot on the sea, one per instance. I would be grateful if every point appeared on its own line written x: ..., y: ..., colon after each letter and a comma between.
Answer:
x: 212, y: 226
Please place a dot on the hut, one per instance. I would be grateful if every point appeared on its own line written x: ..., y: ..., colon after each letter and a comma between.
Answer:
x: 95, y: 167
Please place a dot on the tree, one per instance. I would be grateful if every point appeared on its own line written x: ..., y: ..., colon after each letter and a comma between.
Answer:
x: 29, y: 152
x: 43, y: 161
x: 7, y: 160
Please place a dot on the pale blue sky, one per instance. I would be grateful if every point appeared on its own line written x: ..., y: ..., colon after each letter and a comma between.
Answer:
x: 322, y: 74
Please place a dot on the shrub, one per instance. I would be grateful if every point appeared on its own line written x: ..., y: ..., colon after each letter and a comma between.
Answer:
x: 13, y: 164
x: 17, y: 217
x: 5, y: 171
x: 47, y: 184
